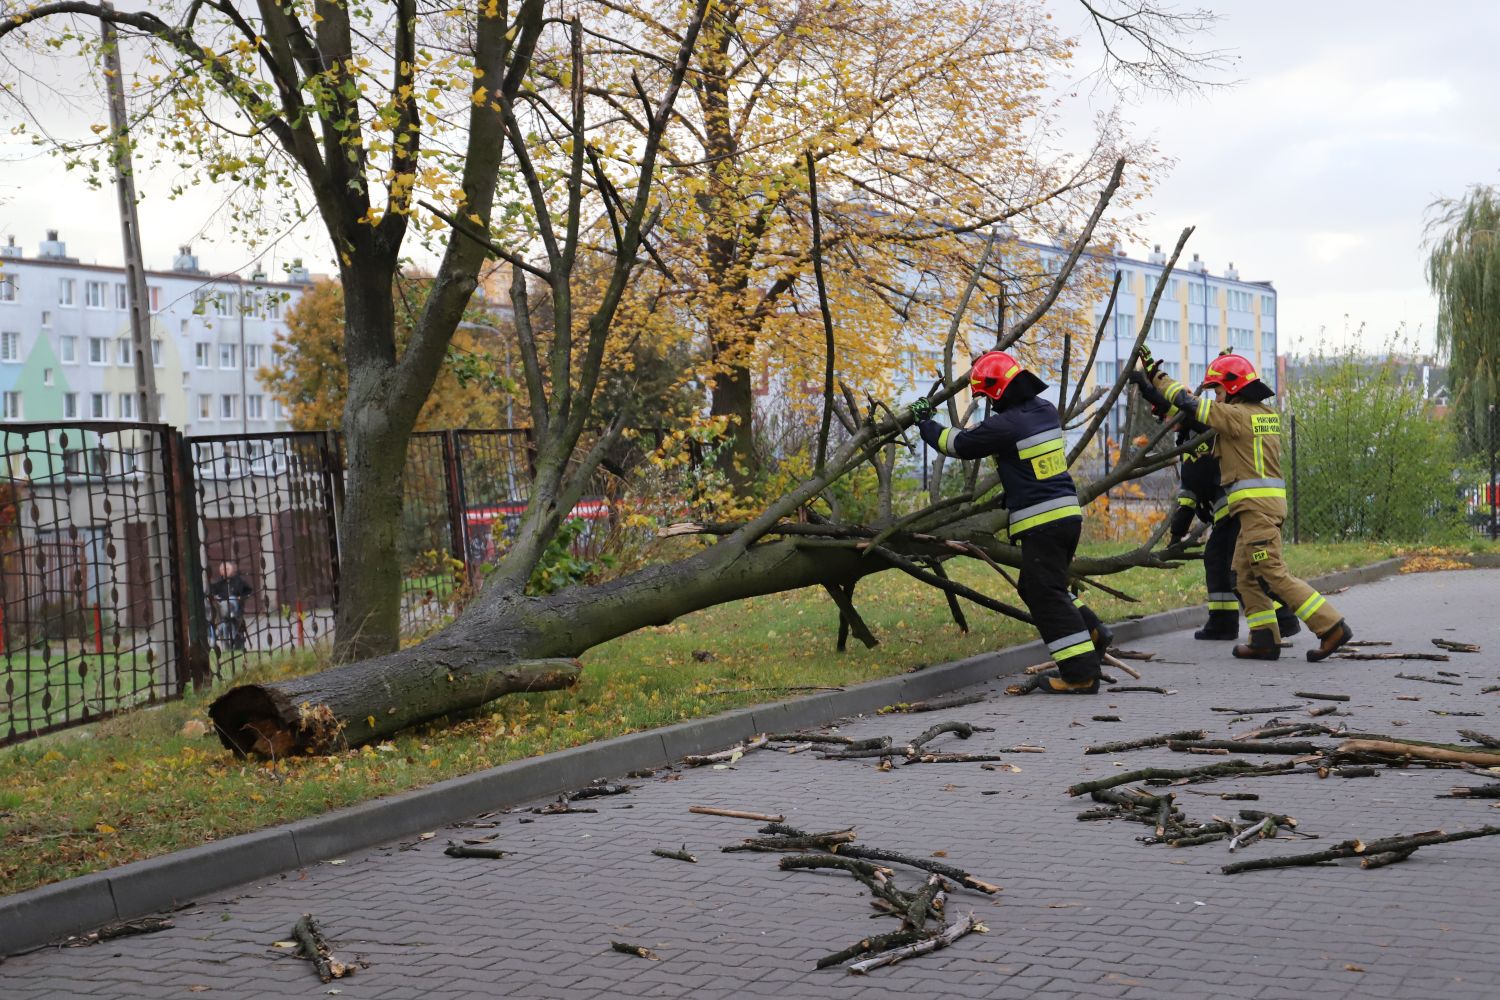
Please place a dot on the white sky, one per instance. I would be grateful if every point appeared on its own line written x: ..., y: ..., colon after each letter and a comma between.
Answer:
x: 1314, y: 171
x: 1317, y: 169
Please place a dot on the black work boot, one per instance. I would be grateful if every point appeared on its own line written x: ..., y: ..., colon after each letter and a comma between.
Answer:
x: 1330, y: 641
x: 1263, y: 646
x: 1102, y: 636
x: 1287, y: 623
x: 1051, y: 683
x: 1220, y: 625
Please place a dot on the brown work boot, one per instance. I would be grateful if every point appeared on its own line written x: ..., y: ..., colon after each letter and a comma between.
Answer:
x: 1262, y: 646
x: 1330, y: 641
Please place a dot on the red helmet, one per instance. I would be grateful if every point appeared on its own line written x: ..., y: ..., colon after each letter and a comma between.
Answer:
x: 1232, y: 372
x: 994, y: 372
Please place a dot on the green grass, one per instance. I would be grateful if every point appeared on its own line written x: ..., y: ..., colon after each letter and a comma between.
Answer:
x: 140, y: 785
x: 35, y: 693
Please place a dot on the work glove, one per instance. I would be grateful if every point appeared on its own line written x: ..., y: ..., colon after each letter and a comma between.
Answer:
x: 930, y: 430
x: 922, y: 409
x: 1149, y: 364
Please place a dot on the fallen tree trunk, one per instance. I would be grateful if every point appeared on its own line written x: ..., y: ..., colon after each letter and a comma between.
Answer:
x: 1419, y: 751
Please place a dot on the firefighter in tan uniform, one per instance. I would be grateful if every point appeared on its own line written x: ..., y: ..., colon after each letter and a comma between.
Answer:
x: 1248, y: 447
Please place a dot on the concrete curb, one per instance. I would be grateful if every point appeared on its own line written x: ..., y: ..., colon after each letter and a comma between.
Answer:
x: 52, y: 912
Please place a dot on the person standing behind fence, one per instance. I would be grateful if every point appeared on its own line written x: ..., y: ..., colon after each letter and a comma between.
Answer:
x: 1248, y: 447
x: 1024, y: 435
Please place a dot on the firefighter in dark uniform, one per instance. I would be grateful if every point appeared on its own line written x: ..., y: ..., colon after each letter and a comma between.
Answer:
x: 1201, y: 497
x: 1247, y: 443
x: 1023, y: 433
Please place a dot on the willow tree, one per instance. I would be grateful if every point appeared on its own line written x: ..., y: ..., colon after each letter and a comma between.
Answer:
x: 1463, y: 268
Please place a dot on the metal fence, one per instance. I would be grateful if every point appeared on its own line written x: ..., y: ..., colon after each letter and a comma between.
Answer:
x: 136, y: 562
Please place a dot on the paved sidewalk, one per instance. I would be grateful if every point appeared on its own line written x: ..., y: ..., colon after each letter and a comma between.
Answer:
x: 1086, y: 910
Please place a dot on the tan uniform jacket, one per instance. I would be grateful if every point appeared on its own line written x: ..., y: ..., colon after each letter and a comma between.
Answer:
x: 1247, y: 445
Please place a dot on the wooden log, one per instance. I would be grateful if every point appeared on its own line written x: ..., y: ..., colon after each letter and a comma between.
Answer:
x: 811, y: 738
x: 1480, y: 738
x: 1456, y: 715
x: 597, y: 791
x: 1193, y: 840
x: 736, y: 814
x: 726, y: 756
x: 878, y: 943
x: 1319, y: 710
x: 1367, y: 642
x: 1141, y: 689
x: 933, y: 704
x: 1120, y: 665
x: 796, y: 842
x: 119, y: 929
x: 560, y: 808
x: 958, y: 875
x: 1105, y: 718
x: 361, y: 702
x: 469, y: 851
x: 962, y: 730
x: 1294, y: 748
x: 1437, y: 657
x: 1421, y: 752
x: 1131, y: 654
x: 1294, y: 729
x: 1456, y: 647
x: 955, y: 758
x: 1428, y: 680
x: 678, y: 855
x: 1290, y: 822
x: 639, y: 951
x: 1355, y: 848
x: 1386, y: 858
x: 1162, y: 740
x: 1228, y: 768
x: 1260, y: 711
x: 1317, y: 696
x: 943, y: 939
x: 1473, y: 792
x: 315, y: 949
x: 1349, y: 772
x: 1262, y: 828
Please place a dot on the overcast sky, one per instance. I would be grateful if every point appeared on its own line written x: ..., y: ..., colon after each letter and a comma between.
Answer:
x: 1315, y: 171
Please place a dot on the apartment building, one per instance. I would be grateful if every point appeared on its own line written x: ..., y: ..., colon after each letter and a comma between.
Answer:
x: 65, y: 346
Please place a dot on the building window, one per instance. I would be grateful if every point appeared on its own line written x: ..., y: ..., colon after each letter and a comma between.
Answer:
x: 1166, y: 329
x: 7, y: 288
x: 12, y: 406
x: 156, y: 352
x: 1267, y: 305
x: 182, y: 327
x: 205, y: 407
x: 1239, y: 300
x: 1125, y: 324
x: 64, y: 291
x: 153, y: 293
x: 1197, y: 333
x: 98, y: 406
x: 1107, y: 372
x: 67, y: 350
x: 1197, y: 373
x: 124, y: 352
x: 220, y: 303
x: 278, y: 412
x: 255, y: 407
x: 229, y: 407
x: 70, y: 406
x: 229, y: 356
x: 47, y: 376
x: 1150, y: 285
x: 46, y: 319
x: 10, y: 347
x: 273, y: 306
x: 201, y: 354
x: 127, y: 406
x: 98, y: 351
x: 93, y: 294
x: 1174, y: 290
x: 1241, y: 338
x: 122, y: 298
x: 252, y: 357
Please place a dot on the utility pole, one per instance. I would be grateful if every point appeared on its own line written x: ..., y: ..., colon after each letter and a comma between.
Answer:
x: 130, y: 229
x: 149, y: 504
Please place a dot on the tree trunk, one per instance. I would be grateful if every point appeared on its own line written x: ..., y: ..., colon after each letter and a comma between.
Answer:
x: 734, y: 397
x: 507, y: 645
x: 367, y: 621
